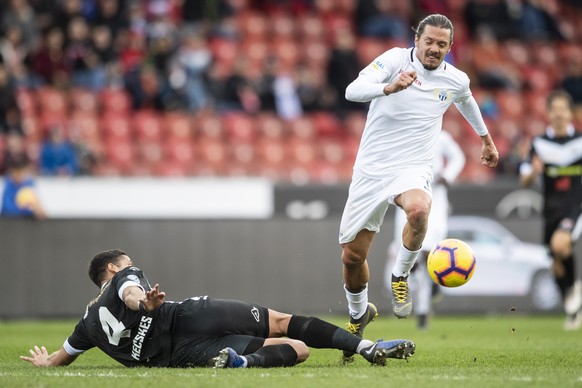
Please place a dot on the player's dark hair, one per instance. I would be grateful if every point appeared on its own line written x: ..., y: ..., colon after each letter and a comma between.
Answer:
x: 560, y: 93
x: 435, y: 20
x: 98, y: 265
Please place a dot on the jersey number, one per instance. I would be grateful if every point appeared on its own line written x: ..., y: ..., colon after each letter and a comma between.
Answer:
x: 114, y: 329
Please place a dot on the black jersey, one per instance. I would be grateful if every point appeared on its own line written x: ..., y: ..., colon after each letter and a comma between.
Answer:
x: 562, y: 176
x: 130, y: 337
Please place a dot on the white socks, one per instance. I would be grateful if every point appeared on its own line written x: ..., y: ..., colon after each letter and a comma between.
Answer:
x: 357, y: 303
x: 404, y: 261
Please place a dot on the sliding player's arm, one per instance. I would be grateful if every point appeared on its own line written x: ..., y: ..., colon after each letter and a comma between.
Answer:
x: 40, y: 357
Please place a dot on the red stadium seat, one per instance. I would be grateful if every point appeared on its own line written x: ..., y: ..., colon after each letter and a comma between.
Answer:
x: 147, y: 125
x: 181, y: 152
x: 120, y: 154
x: 115, y: 100
x: 85, y: 127
x: 52, y: 101
x: 240, y: 128
x: 26, y: 100
x: 178, y: 125
x: 83, y: 100
x: 115, y: 125
x: 326, y: 124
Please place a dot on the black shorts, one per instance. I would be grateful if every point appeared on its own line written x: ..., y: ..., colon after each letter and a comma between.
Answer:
x: 561, y: 218
x: 203, y: 326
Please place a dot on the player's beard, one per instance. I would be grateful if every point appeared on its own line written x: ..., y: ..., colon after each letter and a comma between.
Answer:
x: 429, y: 66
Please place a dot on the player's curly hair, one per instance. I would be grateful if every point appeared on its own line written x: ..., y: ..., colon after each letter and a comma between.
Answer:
x: 435, y: 20
x: 98, y: 265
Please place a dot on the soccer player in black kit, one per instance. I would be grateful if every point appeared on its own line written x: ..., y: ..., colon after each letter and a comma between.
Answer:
x: 557, y: 157
x: 133, y: 323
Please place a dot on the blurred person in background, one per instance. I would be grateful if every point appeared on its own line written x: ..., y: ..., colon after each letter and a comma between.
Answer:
x: 132, y: 323
x: 409, y: 90
x: 189, y: 69
x: 556, y: 156
x: 57, y: 154
x: 19, y: 198
x: 10, y: 120
x: 49, y: 63
x: 448, y: 163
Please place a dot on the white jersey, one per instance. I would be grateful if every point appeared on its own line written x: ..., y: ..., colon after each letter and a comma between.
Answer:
x: 401, y: 129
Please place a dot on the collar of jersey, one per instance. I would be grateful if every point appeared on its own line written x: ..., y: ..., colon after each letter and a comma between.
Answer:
x: 551, y: 132
x: 418, y: 66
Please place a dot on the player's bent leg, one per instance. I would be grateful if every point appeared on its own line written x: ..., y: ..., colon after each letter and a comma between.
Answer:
x: 277, y: 352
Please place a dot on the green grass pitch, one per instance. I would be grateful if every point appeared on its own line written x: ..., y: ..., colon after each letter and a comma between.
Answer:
x: 457, y: 351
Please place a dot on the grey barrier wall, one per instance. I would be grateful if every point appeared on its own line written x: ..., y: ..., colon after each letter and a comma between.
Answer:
x: 283, y: 263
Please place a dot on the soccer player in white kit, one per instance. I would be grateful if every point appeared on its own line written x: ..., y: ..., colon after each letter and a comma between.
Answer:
x: 410, y: 89
x: 448, y: 163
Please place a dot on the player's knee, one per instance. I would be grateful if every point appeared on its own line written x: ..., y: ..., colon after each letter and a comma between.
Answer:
x: 418, y: 216
x: 301, y: 349
x: 561, y: 245
x: 352, y: 258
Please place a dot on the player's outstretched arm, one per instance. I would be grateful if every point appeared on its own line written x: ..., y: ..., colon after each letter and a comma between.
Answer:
x: 40, y: 357
x: 489, y: 154
x: 136, y: 299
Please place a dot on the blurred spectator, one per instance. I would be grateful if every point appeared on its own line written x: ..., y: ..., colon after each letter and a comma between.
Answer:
x: 64, y: 12
x: 499, y: 17
x: 20, y: 13
x: 49, y: 63
x: 342, y: 69
x: 572, y: 82
x: 14, y: 150
x: 247, y: 88
x: 162, y: 38
x: 382, y: 19
x: 496, y: 72
x: 9, y: 110
x: 110, y: 13
x: 189, y: 69
x: 147, y: 89
x: 287, y: 102
x: 57, y: 154
x: 107, y: 69
x: 84, y: 61
x: 13, y: 52
x: 19, y: 198
x: 312, y: 89
x: 538, y: 21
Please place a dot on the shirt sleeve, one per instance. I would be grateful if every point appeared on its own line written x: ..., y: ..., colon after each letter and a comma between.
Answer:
x: 372, y: 79
x: 78, y: 342
x: 470, y: 111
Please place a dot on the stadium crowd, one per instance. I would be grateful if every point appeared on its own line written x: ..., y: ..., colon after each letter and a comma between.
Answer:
x: 256, y: 87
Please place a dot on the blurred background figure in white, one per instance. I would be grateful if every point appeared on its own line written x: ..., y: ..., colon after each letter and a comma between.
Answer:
x: 448, y: 163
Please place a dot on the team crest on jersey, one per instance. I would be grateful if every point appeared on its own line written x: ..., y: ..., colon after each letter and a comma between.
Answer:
x: 442, y: 94
x: 133, y: 278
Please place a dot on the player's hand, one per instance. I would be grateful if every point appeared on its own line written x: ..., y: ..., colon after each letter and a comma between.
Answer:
x: 39, y: 356
x: 537, y: 165
x: 154, y: 298
x: 489, y: 154
x: 405, y: 79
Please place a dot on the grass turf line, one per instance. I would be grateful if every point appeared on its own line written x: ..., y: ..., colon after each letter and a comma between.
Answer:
x: 480, y: 351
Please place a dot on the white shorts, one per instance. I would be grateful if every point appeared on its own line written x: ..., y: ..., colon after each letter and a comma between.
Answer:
x: 369, y: 199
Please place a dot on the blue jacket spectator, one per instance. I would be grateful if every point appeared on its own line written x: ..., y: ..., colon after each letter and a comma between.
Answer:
x: 57, y: 155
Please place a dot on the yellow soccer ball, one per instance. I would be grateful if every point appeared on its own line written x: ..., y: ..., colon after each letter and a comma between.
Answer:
x: 451, y: 263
